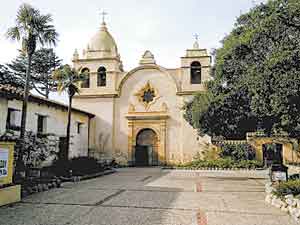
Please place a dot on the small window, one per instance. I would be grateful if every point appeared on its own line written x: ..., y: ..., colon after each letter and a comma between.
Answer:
x: 13, y: 120
x: 79, y: 127
x: 86, y: 83
x: 101, y: 77
x: 41, y: 124
x: 196, y: 72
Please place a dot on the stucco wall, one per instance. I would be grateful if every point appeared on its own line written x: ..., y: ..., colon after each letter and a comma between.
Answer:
x: 56, y: 123
x: 3, y: 114
x: 191, y: 142
x: 101, y: 125
x: 182, y: 141
x: 166, y: 89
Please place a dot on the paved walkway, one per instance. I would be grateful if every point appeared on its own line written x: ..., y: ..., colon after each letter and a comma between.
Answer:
x: 138, y: 196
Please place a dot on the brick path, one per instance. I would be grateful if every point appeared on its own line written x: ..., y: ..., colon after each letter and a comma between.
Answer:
x: 139, y: 196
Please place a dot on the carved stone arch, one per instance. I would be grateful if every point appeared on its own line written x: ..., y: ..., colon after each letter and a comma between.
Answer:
x: 146, y: 147
x: 136, y: 125
x: 145, y: 67
x: 141, y: 128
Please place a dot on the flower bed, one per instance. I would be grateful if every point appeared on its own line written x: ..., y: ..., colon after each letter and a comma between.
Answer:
x: 285, y: 196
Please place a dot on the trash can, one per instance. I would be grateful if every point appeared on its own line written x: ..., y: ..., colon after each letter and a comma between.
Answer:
x: 278, y: 173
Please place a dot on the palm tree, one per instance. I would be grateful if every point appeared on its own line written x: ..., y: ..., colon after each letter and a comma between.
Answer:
x: 68, y: 80
x: 32, y: 28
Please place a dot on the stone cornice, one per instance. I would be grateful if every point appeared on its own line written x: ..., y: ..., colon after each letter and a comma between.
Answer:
x: 182, y: 93
x: 96, y: 96
x: 95, y: 59
x: 116, y: 95
x: 157, y: 115
x: 187, y: 67
x: 195, y: 57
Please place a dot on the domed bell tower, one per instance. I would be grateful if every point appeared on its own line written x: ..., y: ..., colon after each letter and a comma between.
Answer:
x: 101, y: 61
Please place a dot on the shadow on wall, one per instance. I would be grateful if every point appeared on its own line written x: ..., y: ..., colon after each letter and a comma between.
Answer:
x: 101, y: 143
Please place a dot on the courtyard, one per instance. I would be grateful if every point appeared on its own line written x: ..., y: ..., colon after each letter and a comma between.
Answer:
x: 141, y: 196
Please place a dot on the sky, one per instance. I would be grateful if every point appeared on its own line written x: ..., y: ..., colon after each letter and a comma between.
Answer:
x: 165, y: 27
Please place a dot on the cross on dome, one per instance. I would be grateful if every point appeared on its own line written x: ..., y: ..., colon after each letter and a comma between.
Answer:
x: 103, y: 14
x: 196, y: 37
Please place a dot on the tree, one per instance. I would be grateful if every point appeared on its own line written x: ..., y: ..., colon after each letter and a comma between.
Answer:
x: 257, y: 75
x: 44, y: 61
x: 68, y: 80
x: 32, y: 28
x: 8, y: 78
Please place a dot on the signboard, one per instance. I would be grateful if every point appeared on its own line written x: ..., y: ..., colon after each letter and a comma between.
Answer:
x: 4, y: 155
x: 6, y: 162
x: 279, y: 176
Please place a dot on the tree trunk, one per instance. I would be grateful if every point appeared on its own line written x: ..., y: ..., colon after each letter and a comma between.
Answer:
x: 25, y: 100
x: 47, y: 86
x: 20, y: 162
x: 68, y: 127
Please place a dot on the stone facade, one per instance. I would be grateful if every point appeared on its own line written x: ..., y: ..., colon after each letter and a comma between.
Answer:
x: 146, y: 97
x: 54, y: 116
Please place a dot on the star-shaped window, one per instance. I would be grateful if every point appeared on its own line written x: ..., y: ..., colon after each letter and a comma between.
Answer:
x: 147, y: 95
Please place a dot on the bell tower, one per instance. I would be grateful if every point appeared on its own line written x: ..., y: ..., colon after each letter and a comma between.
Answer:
x: 195, y: 68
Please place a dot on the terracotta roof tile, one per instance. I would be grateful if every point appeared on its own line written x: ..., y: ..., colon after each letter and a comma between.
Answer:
x: 9, y: 91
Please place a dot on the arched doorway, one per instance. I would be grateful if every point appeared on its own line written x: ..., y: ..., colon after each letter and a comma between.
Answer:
x: 146, y: 148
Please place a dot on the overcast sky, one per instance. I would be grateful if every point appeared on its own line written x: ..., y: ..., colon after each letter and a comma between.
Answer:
x: 165, y: 27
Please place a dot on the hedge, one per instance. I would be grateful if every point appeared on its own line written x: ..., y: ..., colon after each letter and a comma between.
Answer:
x: 226, y: 163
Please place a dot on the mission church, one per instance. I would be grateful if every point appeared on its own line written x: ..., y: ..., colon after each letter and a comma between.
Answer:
x: 138, y: 113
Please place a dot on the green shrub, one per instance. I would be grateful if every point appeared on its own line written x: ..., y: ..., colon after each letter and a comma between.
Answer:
x: 36, y: 149
x: 80, y: 166
x: 223, y: 163
x: 60, y: 167
x: 237, y: 151
x: 248, y: 164
x: 84, y: 165
x: 287, y: 187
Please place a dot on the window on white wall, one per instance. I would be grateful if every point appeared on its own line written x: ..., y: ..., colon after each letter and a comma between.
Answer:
x: 79, y: 127
x: 13, y: 121
x: 41, y: 124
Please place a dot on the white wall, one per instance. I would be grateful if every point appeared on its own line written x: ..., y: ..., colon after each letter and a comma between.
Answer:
x: 102, y: 124
x: 166, y: 88
x: 3, y: 114
x: 56, y: 123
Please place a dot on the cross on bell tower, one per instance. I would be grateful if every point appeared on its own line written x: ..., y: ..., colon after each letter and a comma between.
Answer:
x: 196, y: 43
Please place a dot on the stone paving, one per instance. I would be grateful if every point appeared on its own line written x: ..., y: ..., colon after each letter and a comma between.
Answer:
x: 151, y: 196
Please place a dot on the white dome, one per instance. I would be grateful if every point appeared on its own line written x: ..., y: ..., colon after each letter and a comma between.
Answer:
x: 103, y: 42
